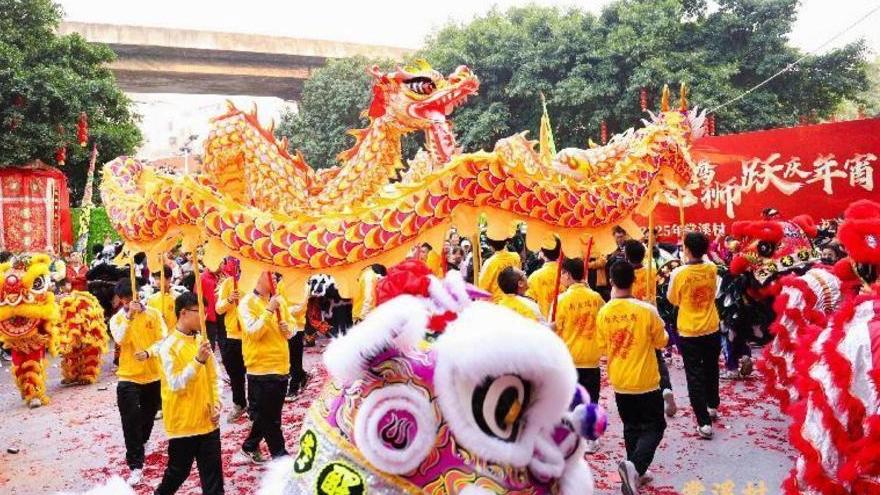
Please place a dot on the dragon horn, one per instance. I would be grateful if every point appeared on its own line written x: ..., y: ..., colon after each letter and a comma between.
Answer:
x: 683, y: 97
x: 254, y: 109
x: 664, y: 100
x: 375, y: 72
x: 271, y: 127
x: 230, y: 107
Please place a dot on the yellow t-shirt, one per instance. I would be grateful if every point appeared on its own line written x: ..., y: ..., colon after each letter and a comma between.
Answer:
x: 629, y: 333
x: 435, y: 263
x: 521, y: 305
x: 142, y: 333
x: 640, y: 287
x: 155, y: 302
x: 190, y: 391
x: 576, y: 324
x: 228, y: 309
x: 263, y: 345
x: 542, y: 285
x: 692, y: 288
x: 365, y: 297
x: 492, y: 267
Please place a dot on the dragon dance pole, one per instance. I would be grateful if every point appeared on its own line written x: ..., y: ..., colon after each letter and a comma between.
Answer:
x: 681, y: 217
x: 649, y: 289
x: 555, y: 299
x: 586, y: 258
x: 134, y: 294
x: 198, y: 287
x: 272, y: 294
x: 162, y: 282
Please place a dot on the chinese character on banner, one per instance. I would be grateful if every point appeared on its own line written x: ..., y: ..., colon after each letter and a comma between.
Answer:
x: 824, y: 171
x: 706, y: 228
x: 793, y: 169
x: 861, y: 172
x: 759, y: 174
x: 728, y: 194
x: 719, y: 229
x: 705, y: 172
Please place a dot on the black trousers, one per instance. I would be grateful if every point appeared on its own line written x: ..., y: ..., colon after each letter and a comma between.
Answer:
x: 591, y: 379
x: 296, y: 346
x: 137, y: 408
x: 211, y: 329
x: 233, y: 361
x: 700, y: 356
x: 267, y: 393
x: 643, y: 426
x: 665, y: 382
x: 205, y: 450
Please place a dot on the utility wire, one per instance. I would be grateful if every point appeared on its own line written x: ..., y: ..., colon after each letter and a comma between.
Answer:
x: 793, y: 64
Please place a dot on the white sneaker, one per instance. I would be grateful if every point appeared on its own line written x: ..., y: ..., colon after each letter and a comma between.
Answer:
x: 713, y: 413
x: 592, y: 446
x: 135, y: 478
x: 629, y: 478
x: 158, y: 415
x: 669, y: 399
x: 646, y: 478
x: 705, y: 431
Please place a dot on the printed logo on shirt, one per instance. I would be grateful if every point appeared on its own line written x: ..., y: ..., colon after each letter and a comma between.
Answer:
x: 340, y: 479
x: 308, y: 450
x: 621, y: 342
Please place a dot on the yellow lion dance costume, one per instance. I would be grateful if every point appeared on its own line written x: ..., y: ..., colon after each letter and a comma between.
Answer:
x: 32, y: 324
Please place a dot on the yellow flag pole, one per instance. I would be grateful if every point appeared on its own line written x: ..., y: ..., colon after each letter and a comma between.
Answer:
x: 134, y: 293
x: 162, y: 284
x: 477, y: 254
x: 649, y: 287
x: 198, y: 288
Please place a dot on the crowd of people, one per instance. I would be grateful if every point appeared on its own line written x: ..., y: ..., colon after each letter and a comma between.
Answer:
x: 608, y: 309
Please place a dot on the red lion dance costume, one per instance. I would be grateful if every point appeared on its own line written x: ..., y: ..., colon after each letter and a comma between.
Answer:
x: 836, y: 407
x: 31, y: 324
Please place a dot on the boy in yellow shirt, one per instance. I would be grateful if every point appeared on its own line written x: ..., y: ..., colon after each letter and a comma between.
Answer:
x: 513, y: 284
x: 500, y: 259
x: 233, y: 360
x: 692, y: 287
x: 164, y: 296
x: 576, y: 324
x: 634, y: 252
x: 191, y: 403
x: 365, y: 298
x: 542, y: 283
x: 267, y: 326
x: 137, y: 331
x: 630, y: 331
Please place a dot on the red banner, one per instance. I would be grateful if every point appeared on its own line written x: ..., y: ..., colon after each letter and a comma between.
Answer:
x: 34, y: 210
x: 818, y: 170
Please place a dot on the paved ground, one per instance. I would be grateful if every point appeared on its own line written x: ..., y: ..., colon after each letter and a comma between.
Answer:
x: 76, y: 441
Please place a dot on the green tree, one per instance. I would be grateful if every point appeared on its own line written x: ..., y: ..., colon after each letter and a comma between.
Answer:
x: 46, y: 80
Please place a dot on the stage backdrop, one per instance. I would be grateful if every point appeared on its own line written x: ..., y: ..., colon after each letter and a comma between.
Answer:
x: 34, y: 209
x: 816, y: 169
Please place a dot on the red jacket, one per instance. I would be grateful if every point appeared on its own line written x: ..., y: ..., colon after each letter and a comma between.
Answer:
x: 77, y: 278
x: 209, y: 289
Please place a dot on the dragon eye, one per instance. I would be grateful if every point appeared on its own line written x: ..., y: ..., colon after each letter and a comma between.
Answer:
x: 498, y: 405
x: 421, y: 85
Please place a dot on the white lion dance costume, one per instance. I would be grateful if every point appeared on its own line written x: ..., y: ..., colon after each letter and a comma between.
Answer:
x: 433, y: 393
x: 836, y: 368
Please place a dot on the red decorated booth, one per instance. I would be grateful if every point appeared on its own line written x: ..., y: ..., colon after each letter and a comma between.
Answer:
x: 34, y: 209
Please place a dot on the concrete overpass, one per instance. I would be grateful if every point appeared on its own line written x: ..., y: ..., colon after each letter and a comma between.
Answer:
x: 163, y: 60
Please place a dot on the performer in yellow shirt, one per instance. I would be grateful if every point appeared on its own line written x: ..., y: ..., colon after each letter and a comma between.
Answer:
x: 191, y: 403
x: 513, y: 284
x: 155, y: 301
x: 365, y: 297
x: 576, y: 325
x: 692, y: 287
x: 542, y: 283
x: 266, y: 327
x: 233, y: 360
x: 137, y: 331
x: 630, y: 331
x: 500, y: 259
x: 634, y: 252
x: 432, y: 259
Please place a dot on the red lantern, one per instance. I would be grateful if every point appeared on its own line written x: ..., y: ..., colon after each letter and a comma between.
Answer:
x: 82, y: 129
x: 61, y: 155
x: 603, y: 127
x: 643, y: 99
x: 710, y: 125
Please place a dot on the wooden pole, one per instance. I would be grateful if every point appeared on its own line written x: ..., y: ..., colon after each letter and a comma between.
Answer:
x: 555, y: 299
x: 650, y: 287
x: 134, y: 293
x: 198, y: 288
x: 272, y: 294
x: 476, y: 254
x: 587, y: 258
x: 162, y: 283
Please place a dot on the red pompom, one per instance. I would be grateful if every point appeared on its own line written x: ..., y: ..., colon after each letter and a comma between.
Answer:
x: 862, y: 209
x: 807, y: 224
x: 437, y: 323
x: 739, y: 265
x: 409, y: 277
x: 843, y: 269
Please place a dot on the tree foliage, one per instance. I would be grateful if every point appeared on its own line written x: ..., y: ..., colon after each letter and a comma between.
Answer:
x: 592, y: 68
x: 46, y: 80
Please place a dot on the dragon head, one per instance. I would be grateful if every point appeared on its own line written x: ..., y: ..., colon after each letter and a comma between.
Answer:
x: 773, y: 247
x: 510, y: 418
x: 420, y: 98
x: 25, y: 298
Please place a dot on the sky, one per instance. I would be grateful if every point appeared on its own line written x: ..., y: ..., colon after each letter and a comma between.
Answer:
x: 407, y: 23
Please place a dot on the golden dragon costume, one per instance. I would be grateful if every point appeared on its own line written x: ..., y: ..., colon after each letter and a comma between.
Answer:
x: 32, y: 325
x: 267, y: 207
